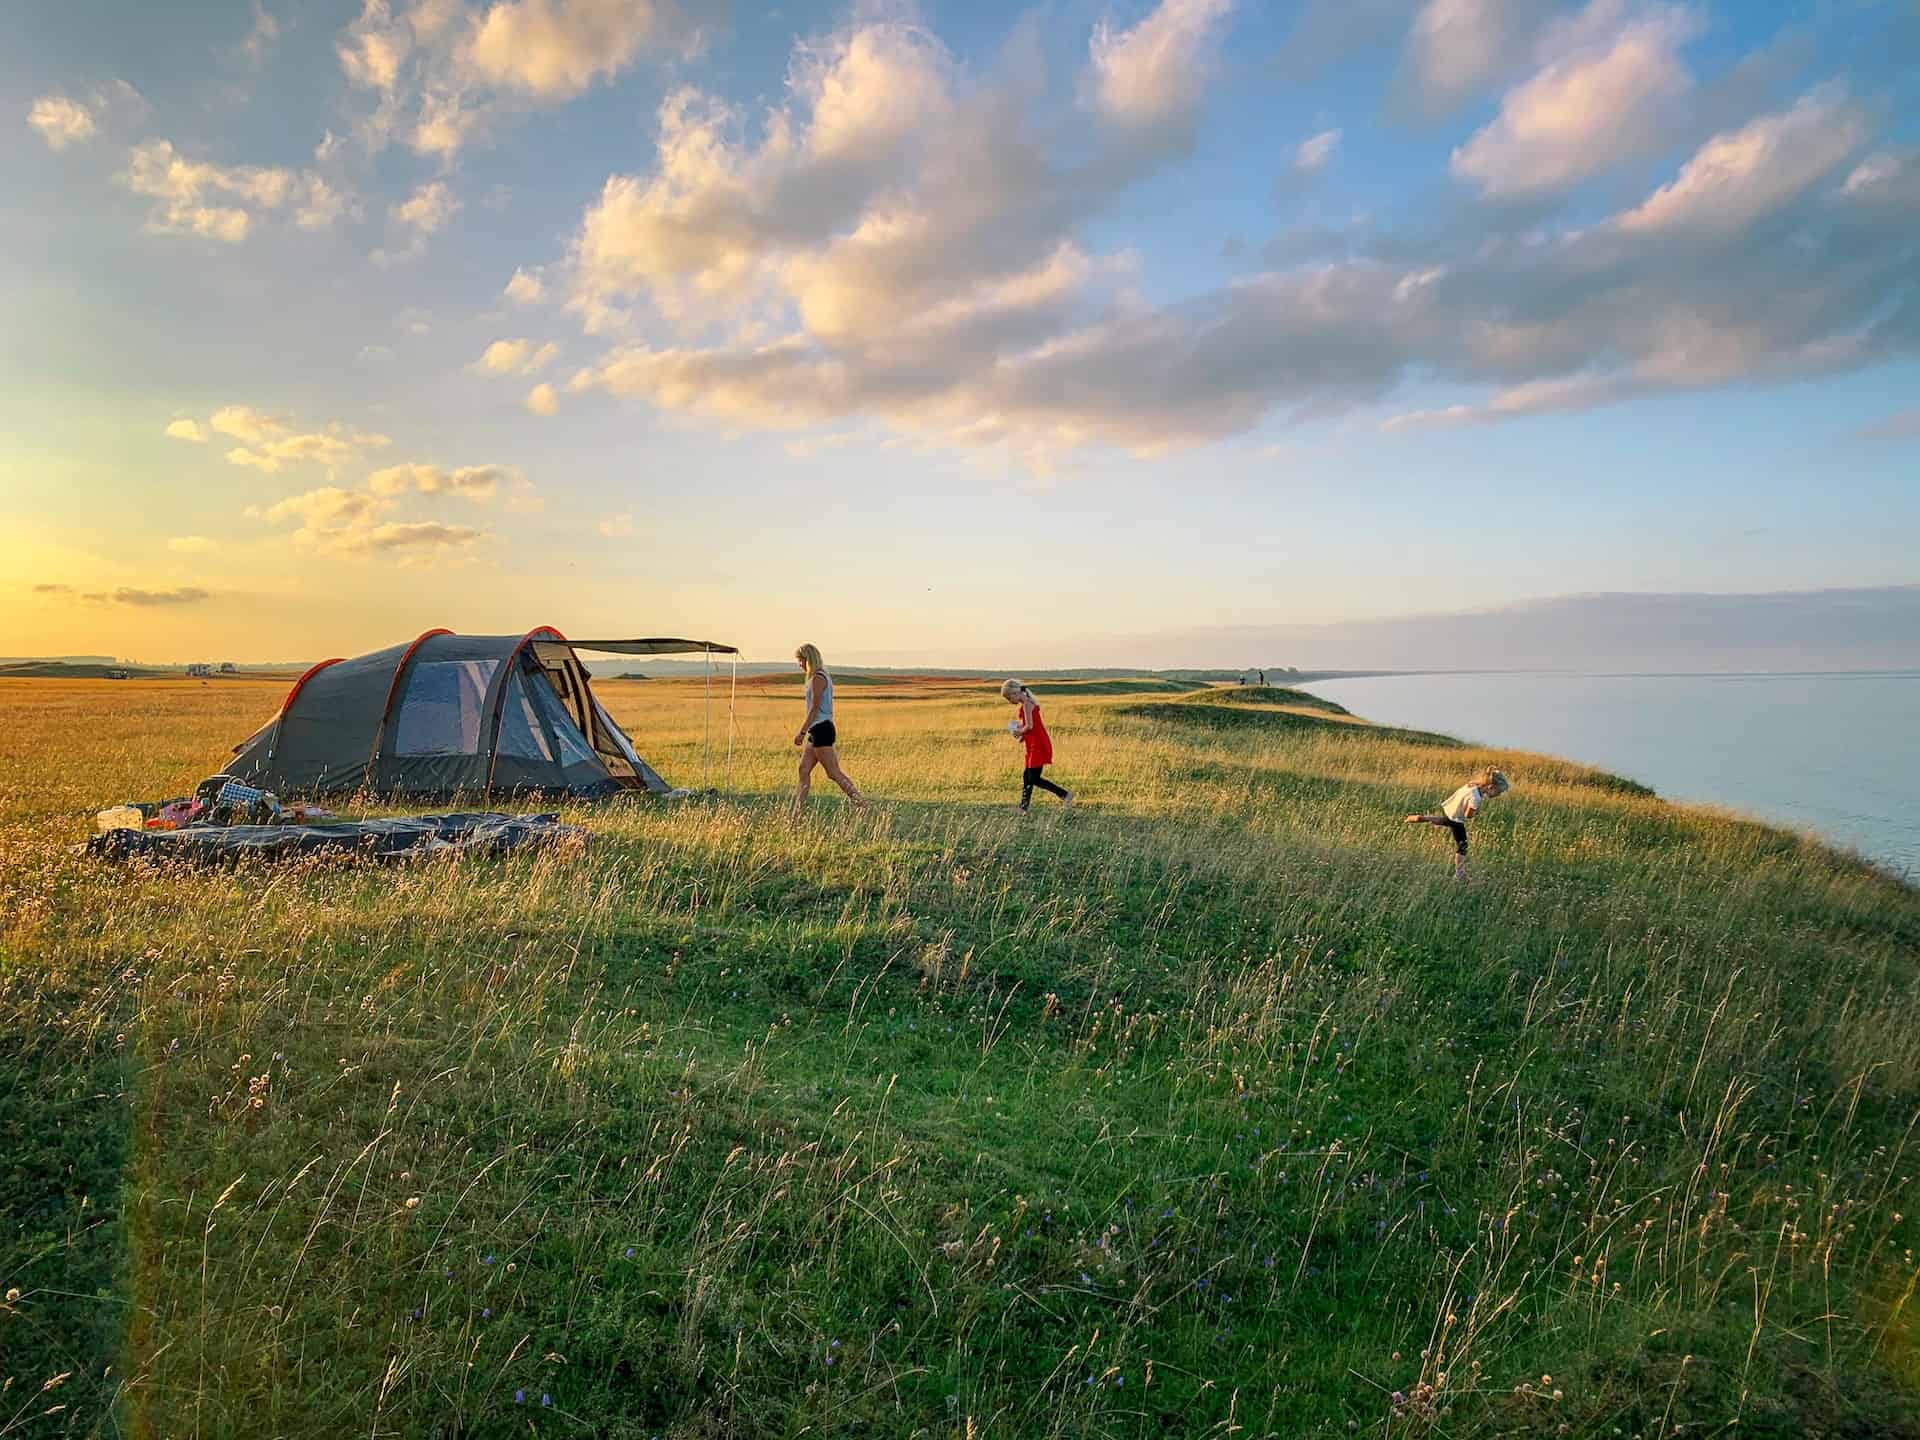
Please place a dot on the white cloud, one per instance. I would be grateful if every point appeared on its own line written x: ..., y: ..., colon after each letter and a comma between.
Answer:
x: 423, y: 213
x: 271, y: 443
x: 1608, y: 95
x: 555, y: 49
x: 191, y: 545
x: 223, y: 202
x: 187, y: 430
x: 843, y: 257
x: 477, y: 483
x: 441, y: 71
x: 328, y: 508
x: 1154, y: 73
x: 542, y: 400
x: 408, y: 535
x: 617, y: 527
x: 525, y: 288
x: 517, y: 357
x: 1315, y: 153
x: 1456, y: 48
x: 1737, y: 177
x: 62, y: 121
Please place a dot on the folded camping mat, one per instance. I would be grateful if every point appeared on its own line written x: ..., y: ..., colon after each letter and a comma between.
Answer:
x: 405, y: 838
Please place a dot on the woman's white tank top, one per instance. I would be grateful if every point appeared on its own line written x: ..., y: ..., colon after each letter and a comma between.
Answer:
x: 826, y: 697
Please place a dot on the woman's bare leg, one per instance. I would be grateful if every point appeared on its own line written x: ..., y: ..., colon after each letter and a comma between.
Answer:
x: 831, y: 761
x: 809, y: 757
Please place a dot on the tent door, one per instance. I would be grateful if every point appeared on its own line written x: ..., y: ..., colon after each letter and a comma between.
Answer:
x: 569, y: 679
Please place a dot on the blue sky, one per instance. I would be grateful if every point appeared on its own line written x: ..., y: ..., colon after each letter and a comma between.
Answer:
x: 974, y: 333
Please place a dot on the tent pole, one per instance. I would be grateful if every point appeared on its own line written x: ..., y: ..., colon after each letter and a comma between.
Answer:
x: 706, y: 764
x: 733, y: 689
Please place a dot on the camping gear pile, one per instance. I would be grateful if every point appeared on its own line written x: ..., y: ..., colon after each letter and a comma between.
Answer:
x: 218, y: 800
x: 412, y: 837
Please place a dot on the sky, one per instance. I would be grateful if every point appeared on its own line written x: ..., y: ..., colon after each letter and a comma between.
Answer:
x: 1087, y: 332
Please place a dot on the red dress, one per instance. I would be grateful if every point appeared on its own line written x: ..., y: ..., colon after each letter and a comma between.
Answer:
x: 1039, y: 743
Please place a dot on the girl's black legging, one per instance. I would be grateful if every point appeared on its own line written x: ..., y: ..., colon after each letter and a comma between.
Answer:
x: 1030, y: 778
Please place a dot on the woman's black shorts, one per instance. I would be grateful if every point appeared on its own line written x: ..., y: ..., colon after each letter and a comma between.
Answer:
x: 1459, y: 835
x: 822, y: 736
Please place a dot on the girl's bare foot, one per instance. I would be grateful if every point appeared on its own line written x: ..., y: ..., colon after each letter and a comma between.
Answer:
x: 1414, y: 819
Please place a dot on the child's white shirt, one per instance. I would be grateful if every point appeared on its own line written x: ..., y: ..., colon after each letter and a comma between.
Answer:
x: 1467, y: 797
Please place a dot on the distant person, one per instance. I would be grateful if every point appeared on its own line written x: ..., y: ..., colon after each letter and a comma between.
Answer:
x: 1463, y: 805
x: 1031, y: 731
x: 817, y: 736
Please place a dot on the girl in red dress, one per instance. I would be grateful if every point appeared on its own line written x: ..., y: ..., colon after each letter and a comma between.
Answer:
x: 1031, y: 731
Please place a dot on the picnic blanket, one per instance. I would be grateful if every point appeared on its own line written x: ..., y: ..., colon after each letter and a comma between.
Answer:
x: 411, y: 837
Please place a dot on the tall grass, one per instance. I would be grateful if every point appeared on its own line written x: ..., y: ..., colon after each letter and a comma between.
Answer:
x: 1214, y: 1107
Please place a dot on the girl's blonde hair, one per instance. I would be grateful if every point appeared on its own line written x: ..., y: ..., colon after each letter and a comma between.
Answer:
x: 1014, y: 688
x: 809, y: 656
x: 1493, y: 781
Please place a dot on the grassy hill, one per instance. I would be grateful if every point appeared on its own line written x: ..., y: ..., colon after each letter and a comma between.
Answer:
x: 1211, y: 1108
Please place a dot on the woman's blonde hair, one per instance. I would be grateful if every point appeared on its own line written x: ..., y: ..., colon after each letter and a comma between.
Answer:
x: 1493, y: 781
x: 809, y: 656
x: 1014, y: 687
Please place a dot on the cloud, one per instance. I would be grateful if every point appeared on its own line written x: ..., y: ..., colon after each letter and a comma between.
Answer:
x: 1610, y: 94
x: 62, y: 121
x: 918, y: 222
x: 410, y: 535
x: 223, y: 202
x: 52, y: 589
x: 525, y: 288
x: 150, y: 599
x: 423, y: 213
x: 477, y: 483
x: 428, y: 209
x: 930, y: 263
x: 1315, y: 153
x: 441, y: 71
x: 191, y: 430
x: 542, y: 400
x: 191, y: 545
x: 516, y: 357
x: 328, y: 508
x: 271, y: 442
x: 1457, y: 48
x: 555, y: 49
x: 1738, y: 177
x: 617, y: 527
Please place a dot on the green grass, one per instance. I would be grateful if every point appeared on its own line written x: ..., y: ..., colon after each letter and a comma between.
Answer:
x: 1212, y: 1108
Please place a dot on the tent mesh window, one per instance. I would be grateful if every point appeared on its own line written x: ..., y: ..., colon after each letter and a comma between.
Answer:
x: 521, y: 732
x: 441, y: 710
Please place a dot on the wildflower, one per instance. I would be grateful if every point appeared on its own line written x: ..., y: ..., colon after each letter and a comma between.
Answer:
x: 13, y: 1294
x: 486, y: 1312
x: 519, y: 1397
x: 486, y: 1259
x: 413, y: 1202
x: 546, y: 1401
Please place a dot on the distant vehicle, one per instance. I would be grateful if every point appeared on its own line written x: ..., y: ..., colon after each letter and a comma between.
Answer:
x: 116, y: 674
x: 227, y: 667
x: 199, y: 672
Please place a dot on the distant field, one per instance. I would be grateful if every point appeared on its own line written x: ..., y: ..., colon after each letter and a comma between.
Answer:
x: 1211, y: 1109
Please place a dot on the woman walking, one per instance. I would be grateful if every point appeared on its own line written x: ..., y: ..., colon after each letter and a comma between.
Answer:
x: 817, y: 735
x: 1031, y: 731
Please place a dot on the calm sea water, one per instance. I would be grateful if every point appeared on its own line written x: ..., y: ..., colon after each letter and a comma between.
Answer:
x: 1837, y: 755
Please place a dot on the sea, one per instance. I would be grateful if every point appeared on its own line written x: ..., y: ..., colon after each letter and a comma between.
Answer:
x: 1837, y: 755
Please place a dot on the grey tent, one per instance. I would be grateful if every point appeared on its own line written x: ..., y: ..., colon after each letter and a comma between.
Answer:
x: 454, y: 714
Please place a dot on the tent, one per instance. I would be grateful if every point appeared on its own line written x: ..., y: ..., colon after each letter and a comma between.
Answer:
x: 447, y: 714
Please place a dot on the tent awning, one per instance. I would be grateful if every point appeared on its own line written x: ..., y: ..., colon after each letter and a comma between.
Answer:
x: 659, y: 646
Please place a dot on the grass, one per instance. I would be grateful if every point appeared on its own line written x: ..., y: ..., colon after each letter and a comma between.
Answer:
x: 1212, y: 1108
